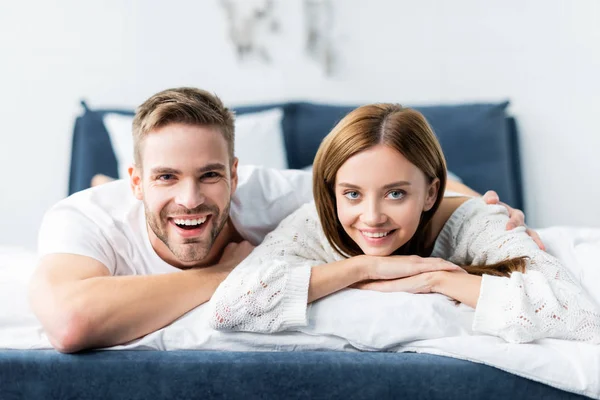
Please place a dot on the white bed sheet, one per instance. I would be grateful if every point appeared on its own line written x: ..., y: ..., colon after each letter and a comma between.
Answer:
x: 355, y: 320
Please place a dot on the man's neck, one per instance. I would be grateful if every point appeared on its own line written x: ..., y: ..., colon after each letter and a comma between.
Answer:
x: 227, y: 235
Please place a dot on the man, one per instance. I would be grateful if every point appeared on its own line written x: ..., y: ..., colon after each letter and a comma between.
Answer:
x: 122, y: 260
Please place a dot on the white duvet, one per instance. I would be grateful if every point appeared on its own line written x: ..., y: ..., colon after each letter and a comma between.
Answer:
x: 355, y: 320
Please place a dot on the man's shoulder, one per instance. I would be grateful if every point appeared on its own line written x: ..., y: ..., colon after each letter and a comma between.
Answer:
x: 103, y: 223
x: 112, y: 200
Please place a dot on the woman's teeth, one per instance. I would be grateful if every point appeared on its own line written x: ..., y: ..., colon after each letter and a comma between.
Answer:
x: 376, y: 234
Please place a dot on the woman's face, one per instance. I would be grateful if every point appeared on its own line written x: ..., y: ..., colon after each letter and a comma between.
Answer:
x: 380, y: 196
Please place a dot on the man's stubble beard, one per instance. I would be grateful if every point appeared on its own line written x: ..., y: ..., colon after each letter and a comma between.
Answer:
x: 193, y: 249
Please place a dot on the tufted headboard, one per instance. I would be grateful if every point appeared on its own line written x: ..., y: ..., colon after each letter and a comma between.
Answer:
x: 479, y: 140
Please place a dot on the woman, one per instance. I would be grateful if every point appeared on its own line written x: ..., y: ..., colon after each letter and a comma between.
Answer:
x: 377, y: 223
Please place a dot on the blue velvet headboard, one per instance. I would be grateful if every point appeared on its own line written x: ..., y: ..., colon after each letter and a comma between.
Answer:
x: 479, y: 140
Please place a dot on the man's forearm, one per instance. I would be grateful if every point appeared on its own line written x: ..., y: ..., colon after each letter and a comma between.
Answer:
x: 458, y: 187
x: 106, y: 311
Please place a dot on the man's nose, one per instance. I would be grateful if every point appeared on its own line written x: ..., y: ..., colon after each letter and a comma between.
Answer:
x: 189, y: 195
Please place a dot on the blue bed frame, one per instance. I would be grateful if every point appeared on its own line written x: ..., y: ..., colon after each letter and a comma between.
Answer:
x: 133, y: 375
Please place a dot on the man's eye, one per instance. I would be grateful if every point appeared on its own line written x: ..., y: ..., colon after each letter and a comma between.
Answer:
x: 352, y: 195
x: 165, y: 177
x: 396, y: 194
x: 211, y: 176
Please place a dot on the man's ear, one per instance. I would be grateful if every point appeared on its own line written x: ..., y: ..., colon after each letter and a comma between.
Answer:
x: 234, y: 175
x: 432, y: 194
x: 135, y: 180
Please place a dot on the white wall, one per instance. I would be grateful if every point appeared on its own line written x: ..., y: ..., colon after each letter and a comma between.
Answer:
x: 543, y: 55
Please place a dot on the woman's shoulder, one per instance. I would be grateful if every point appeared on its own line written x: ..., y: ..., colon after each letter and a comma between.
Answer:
x: 454, y: 212
x: 307, y: 210
x: 303, y: 228
x: 305, y: 218
x: 466, y: 214
x: 447, y: 208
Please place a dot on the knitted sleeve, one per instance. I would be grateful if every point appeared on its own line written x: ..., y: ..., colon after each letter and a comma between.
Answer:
x: 543, y: 302
x: 268, y: 291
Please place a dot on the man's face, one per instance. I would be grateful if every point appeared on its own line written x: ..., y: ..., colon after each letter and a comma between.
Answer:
x: 186, y: 183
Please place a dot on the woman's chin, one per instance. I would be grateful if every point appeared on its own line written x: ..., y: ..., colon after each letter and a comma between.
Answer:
x: 377, y: 252
x: 379, y: 248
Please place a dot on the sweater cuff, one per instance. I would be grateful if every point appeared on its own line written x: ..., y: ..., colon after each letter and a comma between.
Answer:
x: 488, y: 313
x: 296, y: 297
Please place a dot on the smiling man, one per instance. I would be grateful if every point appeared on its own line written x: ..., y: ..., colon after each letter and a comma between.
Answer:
x: 127, y: 258
x: 186, y: 189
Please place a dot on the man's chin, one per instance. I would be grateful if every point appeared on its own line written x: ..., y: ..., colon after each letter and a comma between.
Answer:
x: 189, y: 253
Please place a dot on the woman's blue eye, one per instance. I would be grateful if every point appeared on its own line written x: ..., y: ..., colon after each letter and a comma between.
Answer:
x: 396, y: 194
x: 351, y: 195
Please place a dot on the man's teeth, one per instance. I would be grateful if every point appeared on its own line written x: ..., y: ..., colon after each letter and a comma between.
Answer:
x: 189, y: 222
x: 376, y: 234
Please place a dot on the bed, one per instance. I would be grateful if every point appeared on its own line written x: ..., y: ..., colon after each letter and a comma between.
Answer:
x: 481, y: 145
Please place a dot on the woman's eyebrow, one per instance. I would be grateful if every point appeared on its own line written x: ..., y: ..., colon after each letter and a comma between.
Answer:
x: 396, y: 184
x: 388, y: 186
x: 348, y: 185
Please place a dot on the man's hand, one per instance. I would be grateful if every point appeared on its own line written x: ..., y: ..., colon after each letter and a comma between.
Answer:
x: 235, y: 253
x: 517, y: 218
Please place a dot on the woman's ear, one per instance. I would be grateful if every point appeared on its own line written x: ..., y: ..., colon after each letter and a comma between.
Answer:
x: 432, y: 194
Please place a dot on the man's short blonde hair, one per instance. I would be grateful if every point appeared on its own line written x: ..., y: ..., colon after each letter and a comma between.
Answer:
x: 184, y: 106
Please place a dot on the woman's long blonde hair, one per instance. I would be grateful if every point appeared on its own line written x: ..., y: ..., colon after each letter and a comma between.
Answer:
x: 406, y: 131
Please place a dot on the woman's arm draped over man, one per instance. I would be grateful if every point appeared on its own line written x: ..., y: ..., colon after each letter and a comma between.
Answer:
x: 544, y: 302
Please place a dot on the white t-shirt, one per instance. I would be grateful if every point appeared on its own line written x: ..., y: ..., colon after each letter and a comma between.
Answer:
x: 108, y: 223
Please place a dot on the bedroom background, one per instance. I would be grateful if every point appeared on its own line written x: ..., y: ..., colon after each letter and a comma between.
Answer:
x: 543, y: 56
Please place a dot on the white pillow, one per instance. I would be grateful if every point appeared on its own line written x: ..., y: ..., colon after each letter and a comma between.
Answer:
x: 258, y: 139
x: 119, y: 130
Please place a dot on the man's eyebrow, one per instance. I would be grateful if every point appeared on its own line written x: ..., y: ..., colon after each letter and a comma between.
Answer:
x: 201, y: 170
x: 212, y: 167
x: 165, y: 170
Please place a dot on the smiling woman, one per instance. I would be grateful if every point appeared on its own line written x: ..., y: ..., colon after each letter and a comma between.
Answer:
x: 380, y: 222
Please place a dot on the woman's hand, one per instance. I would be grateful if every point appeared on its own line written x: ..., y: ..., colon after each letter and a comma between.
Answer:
x: 457, y: 285
x: 394, y: 267
x: 421, y: 283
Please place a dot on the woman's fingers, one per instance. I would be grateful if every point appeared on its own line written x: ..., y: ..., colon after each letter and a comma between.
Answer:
x: 421, y: 283
x: 395, y: 267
